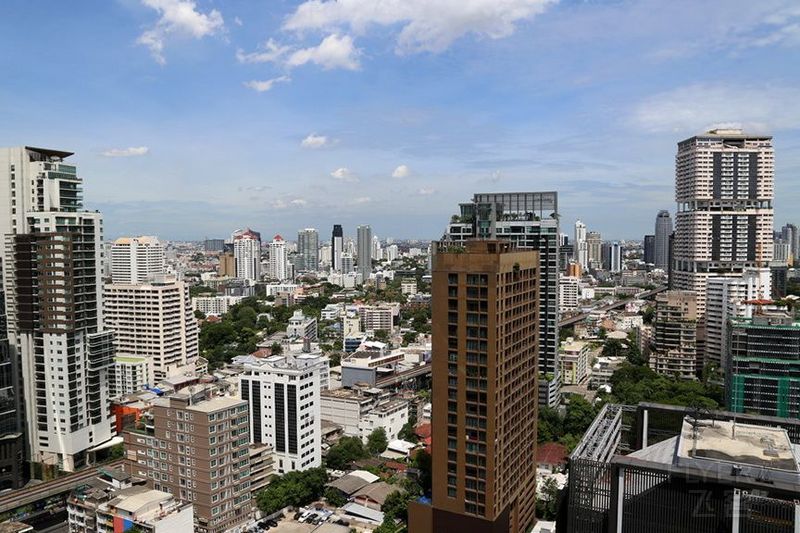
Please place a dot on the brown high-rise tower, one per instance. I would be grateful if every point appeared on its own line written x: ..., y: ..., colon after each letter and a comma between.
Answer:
x: 485, y: 339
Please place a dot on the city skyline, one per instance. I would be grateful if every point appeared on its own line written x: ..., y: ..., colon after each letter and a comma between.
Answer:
x: 250, y: 115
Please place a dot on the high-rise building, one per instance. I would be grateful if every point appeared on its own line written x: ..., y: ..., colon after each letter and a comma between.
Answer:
x: 724, y: 182
x: 650, y: 249
x: 364, y: 235
x: 485, y: 324
x: 728, y: 298
x: 581, y: 250
x: 283, y: 394
x: 337, y: 247
x: 616, y: 264
x: 136, y: 259
x: 12, y: 428
x: 53, y: 265
x: 763, y: 367
x: 214, y: 245
x: 791, y: 235
x: 569, y: 292
x: 196, y: 447
x: 308, y: 249
x: 782, y: 251
x: 661, y: 243
x: 227, y: 265
x: 276, y: 267
x: 675, y: 343
x: 247, y: 254
x: 153, y: 320
x: 531, y: 221
x: 377, y: 251
x: 347, y: 263
x: 594, y: 245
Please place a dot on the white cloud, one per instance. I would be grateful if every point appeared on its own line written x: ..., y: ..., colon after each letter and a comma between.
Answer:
x: 265, y: 85
x: 362, y: 200
x: 238, y: 21
x: 344, y: 174
x: 426, y: 191
x: 314, y: 141
x: 401, y: 172
x: 270, y: 52
x: 298, y: 202
x: 178, y: 17
x: 426, y: 25
x: 701, y: 106
x: 333, y: 52
x: 126, y: 152
x: 280, y: 203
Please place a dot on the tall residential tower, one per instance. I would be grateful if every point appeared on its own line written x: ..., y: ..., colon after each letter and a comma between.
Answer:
x: 724, y: 183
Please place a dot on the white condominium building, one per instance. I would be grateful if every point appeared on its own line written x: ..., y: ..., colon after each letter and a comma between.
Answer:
x: 214, y: 305
x: 378, y: 317
x: 276, y: 268
x: 724, y: 183
x: 727, y: 298
x: 52, y: 269
x: 247, y: 254
x: 569, y: 293
x: 154, y: 320
x: 136, y: 259
x: 131, y: 373
x: 283, y: 392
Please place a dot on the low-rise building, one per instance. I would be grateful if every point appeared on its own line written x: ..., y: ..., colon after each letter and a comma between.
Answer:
x: 408, y: 286
x: 302, y: 327
x: 383, y: 316
x: 215, y: 305
x: 115, y: 501
x: 130, y: 373
x: 369, y: 364
x: 575, y: 362
x: 262, y: 467
x: 569, y: 292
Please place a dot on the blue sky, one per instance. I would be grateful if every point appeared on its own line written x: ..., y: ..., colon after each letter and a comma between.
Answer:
x: 194, y: 118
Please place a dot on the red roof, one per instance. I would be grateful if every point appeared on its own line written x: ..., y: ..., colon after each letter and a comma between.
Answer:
x: 394, y: 465
x: 277, y: 238
x: 423, y: 431
x: 551, y: 453
x: 262, y: 352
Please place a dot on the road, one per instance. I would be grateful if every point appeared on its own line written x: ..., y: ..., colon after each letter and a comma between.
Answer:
x: 608, y: 307
x: 18, y: 498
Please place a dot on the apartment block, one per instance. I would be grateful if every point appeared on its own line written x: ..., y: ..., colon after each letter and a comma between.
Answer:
x: 485, y: 342
x: 136, y: 259
x: 283, y: 392
x: 196, y: 447
x: 153, y: 320
x: 675, y: 344
x: 214, y: 305
x: 724, y: 186
x: 763, y: 365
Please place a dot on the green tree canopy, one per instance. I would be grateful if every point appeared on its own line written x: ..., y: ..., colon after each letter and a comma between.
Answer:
x: 377, y: 441
x: 344, y: 452
x: 292, y: 489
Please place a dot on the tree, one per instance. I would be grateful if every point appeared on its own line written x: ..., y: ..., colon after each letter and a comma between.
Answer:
x: 335, y: 497
x: 409, y: 337
x: 547, y: 503
x: 198, y: 314
x: 388, y: 526
x: 292, y: 489
x: 579, y: 416
x: 276, y: 348
x: 396, y: 506
x: 344, y: 452
x: 381, y: 335
x: 407, y: 432
x: 613, y: 348
x: 551, y: 425
x: 377, y: 441
x: 424, y: 463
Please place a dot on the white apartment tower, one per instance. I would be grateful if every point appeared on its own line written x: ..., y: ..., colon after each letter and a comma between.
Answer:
x: 247, y: 254
x: 724, y: 183
x: 580, y: 246
x: 276, y: 267
x: 136, y: 259
x: 53, y: 263
x: 283, y: 392
x: 153, y: 320
x: 727, y: 298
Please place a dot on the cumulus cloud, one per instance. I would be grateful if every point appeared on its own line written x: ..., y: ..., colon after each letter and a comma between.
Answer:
x: 426, y: 25
x: 265, y: 85
x: 178, y: 17
x: 701, y: 106
x: 132, y: 151
x: 362, y: 200
x: 283, y: 203
x: 344, y: 174
x: 426, y: 191
x: 269, y: 52
x: 333, y: 52
x: 401, y: 171
x: 314, y: 141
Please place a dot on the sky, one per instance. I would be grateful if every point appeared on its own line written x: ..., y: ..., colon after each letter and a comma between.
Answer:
x: 192, y: 118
